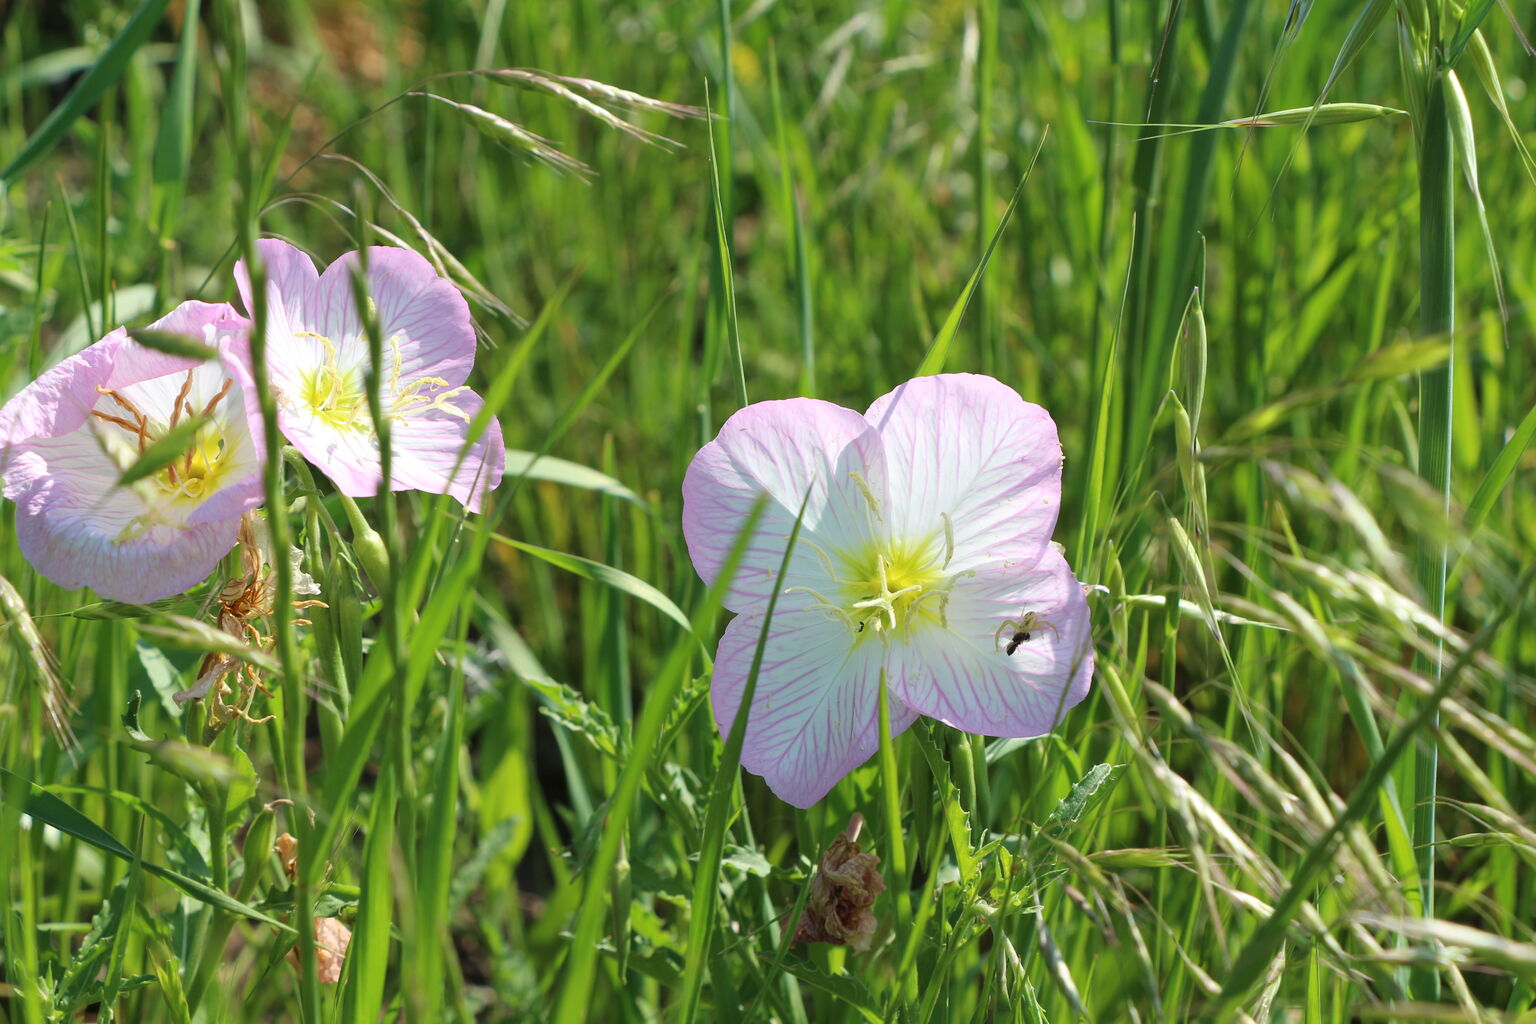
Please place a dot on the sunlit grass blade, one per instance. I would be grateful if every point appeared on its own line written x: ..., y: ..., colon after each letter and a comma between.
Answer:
x: 107, y: 69
x: 576, y: 984
x: 938, y: 350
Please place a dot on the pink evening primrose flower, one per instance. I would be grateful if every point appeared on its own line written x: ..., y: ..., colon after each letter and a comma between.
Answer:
x: 66, y: 439
x: 317, y: 358
x: 924, y: 553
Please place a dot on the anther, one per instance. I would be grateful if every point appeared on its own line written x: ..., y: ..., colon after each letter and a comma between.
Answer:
x: 869, y: 495
x: 181, y: 399
x: 208, y: 409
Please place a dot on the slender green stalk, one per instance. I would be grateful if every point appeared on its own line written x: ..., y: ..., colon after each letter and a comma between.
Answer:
x: 1437, y: 316
x: 290, y: 731
x: 895, y: 843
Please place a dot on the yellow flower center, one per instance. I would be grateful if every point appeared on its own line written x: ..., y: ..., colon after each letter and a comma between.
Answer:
x: 187, y: 479
x: 886, y: 590
x: 339, y: 397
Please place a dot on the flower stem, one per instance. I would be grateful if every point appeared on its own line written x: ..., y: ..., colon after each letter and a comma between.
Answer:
x: 896, y: 850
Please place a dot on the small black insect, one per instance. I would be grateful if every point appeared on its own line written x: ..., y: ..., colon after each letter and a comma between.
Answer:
x: 1021, y: 637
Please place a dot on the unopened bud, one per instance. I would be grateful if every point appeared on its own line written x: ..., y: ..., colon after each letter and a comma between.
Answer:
x: 255, y: 850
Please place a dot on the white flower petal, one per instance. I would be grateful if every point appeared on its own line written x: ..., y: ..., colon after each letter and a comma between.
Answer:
x: 963, y: 676
x: 427, y: 443
x: 968, y: 447
x: 783, y: 450
x: 815, y: 712
x: 75, y: 542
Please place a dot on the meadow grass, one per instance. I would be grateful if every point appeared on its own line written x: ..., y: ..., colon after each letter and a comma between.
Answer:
x: 1293, y: 387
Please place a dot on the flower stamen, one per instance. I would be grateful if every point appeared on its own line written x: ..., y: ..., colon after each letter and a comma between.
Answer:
x: 869, y: 494
x: 885, y: 600
x: 181, y: 400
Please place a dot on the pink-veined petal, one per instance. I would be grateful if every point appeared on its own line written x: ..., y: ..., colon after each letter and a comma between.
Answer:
x: 160, y: 535
x: 782, y: 449
x: 815, y: 712
x: 76, y: 542
x: 58, y: 401
x: 349, y: 456
x: 424, y: 320
x: 427, y: 444
x: 963, y: 676
x: 968, y: 447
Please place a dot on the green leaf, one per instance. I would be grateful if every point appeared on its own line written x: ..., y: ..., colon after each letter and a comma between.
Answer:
x: 607, y: 575
x: 80, y: 985
x: 845, y: 988
x: 164, y: 450
x: 108, y: 68
x: 1087, y: 793
x: 1471, y: 19
x: 174, y: 142
x: 571, y: 474
x: 50, y: 810
x: 1501, y: 471
x: 181, y: 631
x: 567, y: 707
x: 173, y: 343
x: 933, y: 362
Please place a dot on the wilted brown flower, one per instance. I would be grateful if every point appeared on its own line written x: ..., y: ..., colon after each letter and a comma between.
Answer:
x: 843, y: 890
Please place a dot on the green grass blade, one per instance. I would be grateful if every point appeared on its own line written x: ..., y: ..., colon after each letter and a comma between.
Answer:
x: 938, y: 351
x: 109, y: 67
x: 607, y: 575
x: 50, y: 810
x: 1501, y: 472
x: 706, y: 879
x: 576, y: 988
x: 1267, y: 939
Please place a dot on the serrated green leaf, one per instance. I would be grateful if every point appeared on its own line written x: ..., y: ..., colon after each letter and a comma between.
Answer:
x: 1087, y: 793
x: 80, y: 984
x: 564, y: 705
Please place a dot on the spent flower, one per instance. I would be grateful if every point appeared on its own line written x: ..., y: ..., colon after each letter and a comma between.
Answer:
x: 924, y: 558
x: 318, y: 357
x: 67, y: 439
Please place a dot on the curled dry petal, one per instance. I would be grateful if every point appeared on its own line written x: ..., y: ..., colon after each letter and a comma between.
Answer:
x: 843, y: 891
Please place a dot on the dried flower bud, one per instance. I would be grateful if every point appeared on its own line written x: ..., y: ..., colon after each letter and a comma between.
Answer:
x: 287, y: 849
x: 843, y: 891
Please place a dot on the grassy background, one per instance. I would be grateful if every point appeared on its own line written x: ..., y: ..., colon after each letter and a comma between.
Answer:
x: 506, y: 754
